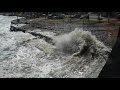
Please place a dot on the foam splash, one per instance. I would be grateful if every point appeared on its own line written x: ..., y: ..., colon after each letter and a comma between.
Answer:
x: 76, y: 40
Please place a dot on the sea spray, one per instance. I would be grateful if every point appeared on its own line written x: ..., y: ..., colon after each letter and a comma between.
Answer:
x: 76, y: 40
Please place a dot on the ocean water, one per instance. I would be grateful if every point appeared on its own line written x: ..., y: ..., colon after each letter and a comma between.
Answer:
x: 25, y: 56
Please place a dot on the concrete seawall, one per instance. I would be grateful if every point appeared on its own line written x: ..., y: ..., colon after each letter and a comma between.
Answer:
x: 15, y: 28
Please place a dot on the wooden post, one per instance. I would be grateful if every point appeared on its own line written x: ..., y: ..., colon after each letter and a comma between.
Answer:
x: 108, y: 18
x: 17, y: 19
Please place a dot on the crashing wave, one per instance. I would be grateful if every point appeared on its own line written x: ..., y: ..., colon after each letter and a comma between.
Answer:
x: 39, y: 59
x: 91, y: 54
x: 78, y: 40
